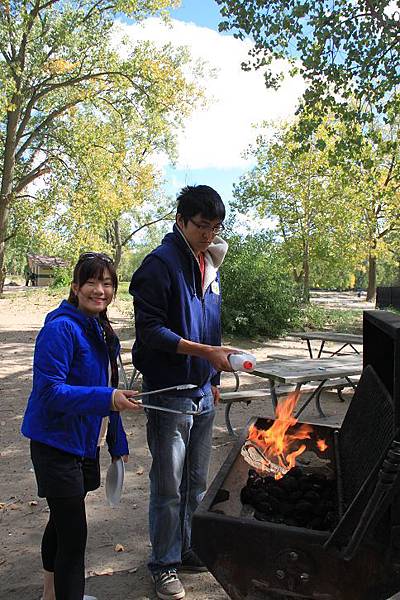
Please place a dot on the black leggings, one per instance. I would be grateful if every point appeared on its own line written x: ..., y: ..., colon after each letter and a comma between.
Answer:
x: 63, y: 546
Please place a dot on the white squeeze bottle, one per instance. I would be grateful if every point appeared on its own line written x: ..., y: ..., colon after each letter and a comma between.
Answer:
x: 242, y: 362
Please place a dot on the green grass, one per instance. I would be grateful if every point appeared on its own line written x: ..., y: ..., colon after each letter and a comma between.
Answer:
x: 123, y: 293
x: 331, y: 319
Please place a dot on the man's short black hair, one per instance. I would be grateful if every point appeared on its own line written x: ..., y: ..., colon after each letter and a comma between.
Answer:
x: 200, y: 199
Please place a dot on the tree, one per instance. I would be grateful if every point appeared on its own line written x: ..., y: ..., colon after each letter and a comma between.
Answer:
x: 307, y: 201
x: 373, y: 173
x: 345, y: 50
x: 57, y: 64
x: 120, y: 240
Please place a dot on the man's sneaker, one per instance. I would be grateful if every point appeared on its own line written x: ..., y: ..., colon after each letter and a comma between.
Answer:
x: 191, y: 563
x: 168, y: 586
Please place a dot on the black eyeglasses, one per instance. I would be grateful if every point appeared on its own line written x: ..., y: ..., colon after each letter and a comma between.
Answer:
x: 90, y: 255
x: 208, y: 228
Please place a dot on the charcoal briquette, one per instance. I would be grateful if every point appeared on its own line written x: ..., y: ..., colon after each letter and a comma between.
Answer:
x: 296, y: 472
x: 286, y: 508
x: 288, y: 483
x: 246, y: 495
x: 260, y: 516
x: 311, y: 496
x: 296, y: 495
x: 303, y: 507
x: 277, y: 492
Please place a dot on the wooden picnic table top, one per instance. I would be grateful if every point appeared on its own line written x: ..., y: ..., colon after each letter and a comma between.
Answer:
x: 302, y: 370
x: 329, y: 336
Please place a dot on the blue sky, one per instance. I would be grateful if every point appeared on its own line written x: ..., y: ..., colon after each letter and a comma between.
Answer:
x: 204, y: 13
x: 213, y: 140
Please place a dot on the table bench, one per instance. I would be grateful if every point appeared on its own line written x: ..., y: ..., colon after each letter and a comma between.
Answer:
x: 125, y: 360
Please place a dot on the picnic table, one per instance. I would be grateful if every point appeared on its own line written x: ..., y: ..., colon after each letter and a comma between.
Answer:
x: 345, y: 339
x: 334, y: 371
x: 305, y: 375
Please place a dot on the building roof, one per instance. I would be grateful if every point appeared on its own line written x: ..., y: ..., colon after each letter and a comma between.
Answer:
x: 41, y: 260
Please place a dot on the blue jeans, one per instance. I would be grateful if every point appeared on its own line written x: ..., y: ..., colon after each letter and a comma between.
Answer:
x: 180, y: 446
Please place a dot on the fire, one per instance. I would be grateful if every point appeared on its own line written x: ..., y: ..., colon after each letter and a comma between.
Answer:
x: 275, y: 443
x: 322, y: 445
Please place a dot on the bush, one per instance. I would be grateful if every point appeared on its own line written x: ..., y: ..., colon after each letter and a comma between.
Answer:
x: 62, y: 277
x: 259, y: 295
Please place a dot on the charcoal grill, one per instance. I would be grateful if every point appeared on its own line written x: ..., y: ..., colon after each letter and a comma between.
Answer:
x: 359, y: 558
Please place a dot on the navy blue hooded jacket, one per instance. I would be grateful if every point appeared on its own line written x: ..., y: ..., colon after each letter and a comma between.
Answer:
x: 170, y: 303
x: 70, y: 393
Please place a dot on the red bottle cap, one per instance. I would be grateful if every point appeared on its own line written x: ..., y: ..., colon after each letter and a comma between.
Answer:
x: 247, y: 364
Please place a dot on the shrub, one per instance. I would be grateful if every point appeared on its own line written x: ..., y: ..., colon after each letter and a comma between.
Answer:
x: 259, y: 295
x: 62, y: 277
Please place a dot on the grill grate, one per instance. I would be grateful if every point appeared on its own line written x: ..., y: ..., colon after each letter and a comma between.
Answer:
x: 366, y: 433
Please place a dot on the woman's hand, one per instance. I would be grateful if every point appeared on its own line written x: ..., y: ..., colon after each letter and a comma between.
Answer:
x: 120, y: 400
x: 125, y: 458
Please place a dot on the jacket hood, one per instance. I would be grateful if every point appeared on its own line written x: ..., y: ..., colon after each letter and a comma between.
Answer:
x: 68, y: 310
x: 213, y: 256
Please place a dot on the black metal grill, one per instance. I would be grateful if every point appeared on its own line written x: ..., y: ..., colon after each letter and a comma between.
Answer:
x: 358, y: 560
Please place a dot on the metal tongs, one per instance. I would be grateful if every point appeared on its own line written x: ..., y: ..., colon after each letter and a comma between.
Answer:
x: 187, y: 386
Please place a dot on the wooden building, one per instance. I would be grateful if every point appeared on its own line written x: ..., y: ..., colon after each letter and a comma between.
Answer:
x: 40, y: 269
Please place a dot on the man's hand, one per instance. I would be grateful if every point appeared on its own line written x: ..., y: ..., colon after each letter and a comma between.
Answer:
x: 218, y: 357
x: 120, y: 400
x: 216, y: 393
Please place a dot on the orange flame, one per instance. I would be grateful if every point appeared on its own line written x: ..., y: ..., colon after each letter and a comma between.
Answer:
x: 322, y: 445
x: 275, y: 443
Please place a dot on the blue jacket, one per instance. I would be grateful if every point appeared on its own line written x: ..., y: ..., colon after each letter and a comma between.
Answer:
x: 171, y: 304
x: 70, y: 393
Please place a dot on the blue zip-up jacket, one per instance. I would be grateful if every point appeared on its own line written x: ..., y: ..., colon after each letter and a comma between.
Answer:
x: 170, y: 303
x: 70, y: 393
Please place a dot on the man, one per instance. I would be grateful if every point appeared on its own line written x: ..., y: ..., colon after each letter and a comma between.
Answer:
x: 177, y: 304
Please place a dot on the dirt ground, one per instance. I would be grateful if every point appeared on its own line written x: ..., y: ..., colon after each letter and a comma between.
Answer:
x: 111, y: 575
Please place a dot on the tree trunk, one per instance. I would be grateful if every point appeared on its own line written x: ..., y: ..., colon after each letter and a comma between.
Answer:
x: 397, y: 280
x: 306, y: 273
x: 117, y: 244
x: 3, y: 228
x: 371, y: 291
x: 6, y: 184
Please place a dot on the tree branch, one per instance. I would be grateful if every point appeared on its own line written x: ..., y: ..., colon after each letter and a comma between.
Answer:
x: 130, y: 236
x: 40, y: 170
x: 43, y: 124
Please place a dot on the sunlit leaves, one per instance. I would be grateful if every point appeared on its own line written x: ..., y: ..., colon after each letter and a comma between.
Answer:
x: 87, y: 117
x: 308, y: 201
x: 347, y: 49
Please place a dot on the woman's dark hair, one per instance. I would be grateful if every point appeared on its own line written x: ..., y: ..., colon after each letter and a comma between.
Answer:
x: 92, y: 265
x: 200, y: 199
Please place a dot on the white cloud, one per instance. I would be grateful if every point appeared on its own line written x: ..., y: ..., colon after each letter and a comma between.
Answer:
x: 216, y: 137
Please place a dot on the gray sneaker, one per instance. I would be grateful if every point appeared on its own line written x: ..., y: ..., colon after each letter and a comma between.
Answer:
x: 168, y: 586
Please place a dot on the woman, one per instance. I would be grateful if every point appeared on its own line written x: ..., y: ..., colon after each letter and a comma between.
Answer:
x: 74, y: 403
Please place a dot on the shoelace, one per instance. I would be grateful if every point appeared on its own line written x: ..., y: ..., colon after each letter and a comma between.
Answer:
x: 168, y: 576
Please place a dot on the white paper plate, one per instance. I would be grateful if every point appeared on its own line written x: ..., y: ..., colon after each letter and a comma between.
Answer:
x: 114, y: 482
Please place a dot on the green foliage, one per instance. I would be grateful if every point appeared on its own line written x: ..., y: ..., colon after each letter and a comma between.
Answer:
x: 344, y: 49
x: 259, y: 296
x: 308, y: 203
x: 83, y: 113
x: 62, y: 277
